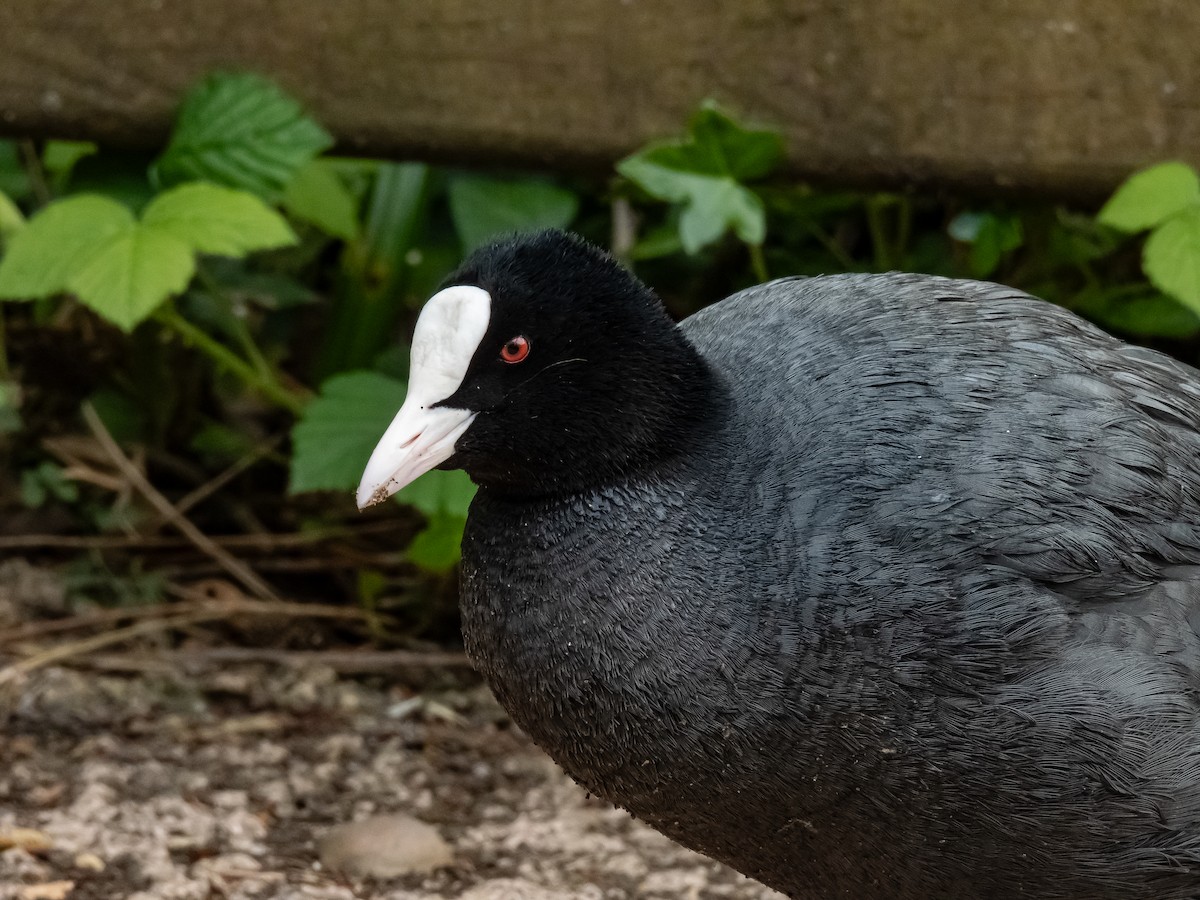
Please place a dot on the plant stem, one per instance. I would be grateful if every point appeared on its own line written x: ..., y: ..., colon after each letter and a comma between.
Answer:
x: 37, y: 175
x: 758, y: 262
x: 226, y: 358
x: 240, y: 332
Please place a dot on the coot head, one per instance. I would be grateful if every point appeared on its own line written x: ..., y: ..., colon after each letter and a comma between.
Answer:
x: 541, y: 366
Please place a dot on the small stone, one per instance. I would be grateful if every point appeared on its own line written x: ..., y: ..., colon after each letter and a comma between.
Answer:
x: 89, y: 861
x: 384, y: 847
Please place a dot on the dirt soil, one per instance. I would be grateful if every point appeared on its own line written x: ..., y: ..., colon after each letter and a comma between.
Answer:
x: 219, y: 784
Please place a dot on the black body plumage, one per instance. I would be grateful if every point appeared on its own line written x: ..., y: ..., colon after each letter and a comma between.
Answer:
x: 893, y: 592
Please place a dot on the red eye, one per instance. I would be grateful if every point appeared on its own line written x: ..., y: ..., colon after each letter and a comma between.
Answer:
x: 515, y: 350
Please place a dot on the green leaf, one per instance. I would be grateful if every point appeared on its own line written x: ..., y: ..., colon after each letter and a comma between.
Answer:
x: 242, y: 131
x: 990, y: 235
x: 484, y: 208
x: 1151, y: 315
x: 130, y: 276
x: 1152, y: 196
x: 318, y: 195
x: 438, y: 545
x: 11, y: 220
x: 219, y: 220
x: 59, y: 157
x: 704, y: 173
x: 333, y: 440
x: 439, y: 492
x: 45, y: 481
x: 58, y: 243
x: 1171, y: 257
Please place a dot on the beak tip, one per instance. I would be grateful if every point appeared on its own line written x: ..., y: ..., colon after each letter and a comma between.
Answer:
x: 366, y: 497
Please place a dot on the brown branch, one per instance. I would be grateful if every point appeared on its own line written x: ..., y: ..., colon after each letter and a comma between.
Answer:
x: 264, y: 542
x: 230, y: 563
x: 230, y: 604
x: 210, y: 487
x: 345, y: 661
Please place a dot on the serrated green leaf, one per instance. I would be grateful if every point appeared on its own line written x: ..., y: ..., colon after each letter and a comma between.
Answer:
x: 484, y: 208
x: 1152, y: 196
x: 58, y: 243
x: 219, y: 220
x: 333, y: 440
x: 438, y: 545
x: 128, y: 278
x: 704, y: 173
x: 242, y: 131
x: 1171, y: 257
x: 316, y: 194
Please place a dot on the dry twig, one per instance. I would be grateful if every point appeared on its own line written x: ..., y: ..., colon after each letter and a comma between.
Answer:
x: 230, y: 563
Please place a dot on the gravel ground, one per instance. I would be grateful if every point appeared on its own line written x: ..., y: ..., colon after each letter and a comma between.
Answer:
x: 234, y: 784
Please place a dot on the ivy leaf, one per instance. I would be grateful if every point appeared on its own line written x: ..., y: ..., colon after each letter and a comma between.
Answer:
x: 134, y: 272
x: 1171, y: 257
x: 705, y: 174
x: 318, y: 195
x: 58, y: 243
x: 242, y: 131
x: 218, y: 220
x: 1151, y: 197
x: 334, y: 438
x: 484, y: 208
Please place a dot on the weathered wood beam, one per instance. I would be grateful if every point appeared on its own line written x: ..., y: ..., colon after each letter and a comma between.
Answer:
x: 1061, y: 98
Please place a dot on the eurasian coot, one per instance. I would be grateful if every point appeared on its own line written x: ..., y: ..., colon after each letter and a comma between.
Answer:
x: 871, y: 586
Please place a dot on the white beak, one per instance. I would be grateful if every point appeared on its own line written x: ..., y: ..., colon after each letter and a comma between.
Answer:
x: 417, y: 440
x: 448, y: 333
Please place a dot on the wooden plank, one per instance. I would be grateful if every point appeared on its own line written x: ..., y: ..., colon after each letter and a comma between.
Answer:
x: 1062, y: 98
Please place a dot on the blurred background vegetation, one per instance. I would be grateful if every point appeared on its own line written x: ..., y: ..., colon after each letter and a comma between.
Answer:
x: 200, y: 347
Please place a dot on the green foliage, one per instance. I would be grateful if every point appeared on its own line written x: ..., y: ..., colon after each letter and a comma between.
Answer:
x: 316, y: 194
x: 333, y: 440
x: 234, y: 326
x: 44, y: 481
x: 706, y: 173
x: 11, y: 220
x: 1166, y: 200
x: 1151, y: 197
x: 241, y: 131
x: 484, y: 208
x: 1172, y: 256
x: 341, y: 426
x: 124, y: 268
x: 991, y: 236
